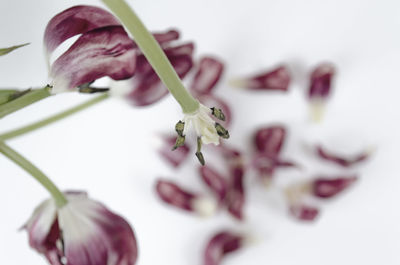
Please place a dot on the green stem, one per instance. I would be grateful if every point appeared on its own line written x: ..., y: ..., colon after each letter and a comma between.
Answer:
x: 14, y: 156
x: 51, y: 119
x: 154, y: 54
x: 25, y: 100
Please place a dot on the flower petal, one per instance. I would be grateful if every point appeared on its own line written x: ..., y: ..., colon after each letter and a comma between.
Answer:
x: 236, y: 194
x: 328, y: 188
x: 176, y: 157
x: 147, y: 87
x: 73, y: 21
x: 172, y: 194
x: 304, y: 212
x: 341, y: 161
x: 269, y: 140
x: 93, y: 235
x: 217, y: 183
x: 208, y: 74
x: 42, y: 227
x: 165, y: 37
x: 221, y: 244
x: 266, y: 165
x: 107, y: 51
x: 321, y: 81
x: 277, y: 79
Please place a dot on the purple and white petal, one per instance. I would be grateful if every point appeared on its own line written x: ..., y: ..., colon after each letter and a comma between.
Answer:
x: 327, y: 187
x: 74, y: 21
x: 147, y: 87
x: 320, y: 89
x: 321, y: 81
x: 107, y: 51
x: 81, y: 232
x: 166, y: 37
x: 304, y: 212
x: 94, y: 235
x: 178, y: 197
x: 42, y: 228
x: 266, y: 165
x: 221, y: 244
x: 208, y: 74
x: 216, y: 182
x: 269, y: 140
x: 176, y: 157
x: 341, y: 160
x: 277, y: 79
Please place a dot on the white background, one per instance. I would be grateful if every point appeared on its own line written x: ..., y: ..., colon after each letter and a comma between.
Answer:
x: 109, y: 150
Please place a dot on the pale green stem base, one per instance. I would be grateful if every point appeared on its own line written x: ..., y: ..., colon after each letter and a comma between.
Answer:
x: 57, y: 195
x: 25, y: 100
x: 51, y: 119
x: 154, y: 54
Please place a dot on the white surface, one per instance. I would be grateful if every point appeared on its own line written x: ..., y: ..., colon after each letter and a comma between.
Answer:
x: 108, y: 150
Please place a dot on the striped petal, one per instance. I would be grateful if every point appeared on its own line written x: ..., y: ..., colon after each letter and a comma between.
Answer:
x: 74, y: 21
x: 102, y: 52
x: 147, y: 86
x: 277, y: 79
x: 208, y: 74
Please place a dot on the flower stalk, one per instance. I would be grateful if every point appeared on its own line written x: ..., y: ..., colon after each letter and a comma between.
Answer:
x: 153, y: 53
x: 14, y: 156
x: 24, y: 100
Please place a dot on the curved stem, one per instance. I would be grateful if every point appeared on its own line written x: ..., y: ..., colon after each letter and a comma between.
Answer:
x: 14, y: 156
x: 51, y: 119
x: 24, y: 100
x: 154, y: 54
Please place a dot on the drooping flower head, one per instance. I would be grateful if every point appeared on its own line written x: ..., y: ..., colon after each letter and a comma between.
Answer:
x: 83, y: 232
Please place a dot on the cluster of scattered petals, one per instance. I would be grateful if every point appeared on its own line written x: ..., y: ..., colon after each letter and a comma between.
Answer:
x: 103, y: 48
x: 83, y: 232
x: 277, y: 79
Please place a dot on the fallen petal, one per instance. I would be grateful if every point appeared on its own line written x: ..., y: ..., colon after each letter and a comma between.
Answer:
x: 176, y: 157
x: 321, y: 81
x: 208, y: 74
x: 304, y: 212
x: 328, y: 188
x: 74, y: 21
x: 236, y: 195
x: 277, y: 79
x: 172, y: 194
x: 217, y: 183
x: 266, y: 165
x: 342, y: 161
x: 221, y: 244
x: 269, y: 140
x: 107, y: 51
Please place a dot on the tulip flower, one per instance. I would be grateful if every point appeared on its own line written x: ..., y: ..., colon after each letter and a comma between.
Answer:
x: 82, y: 232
